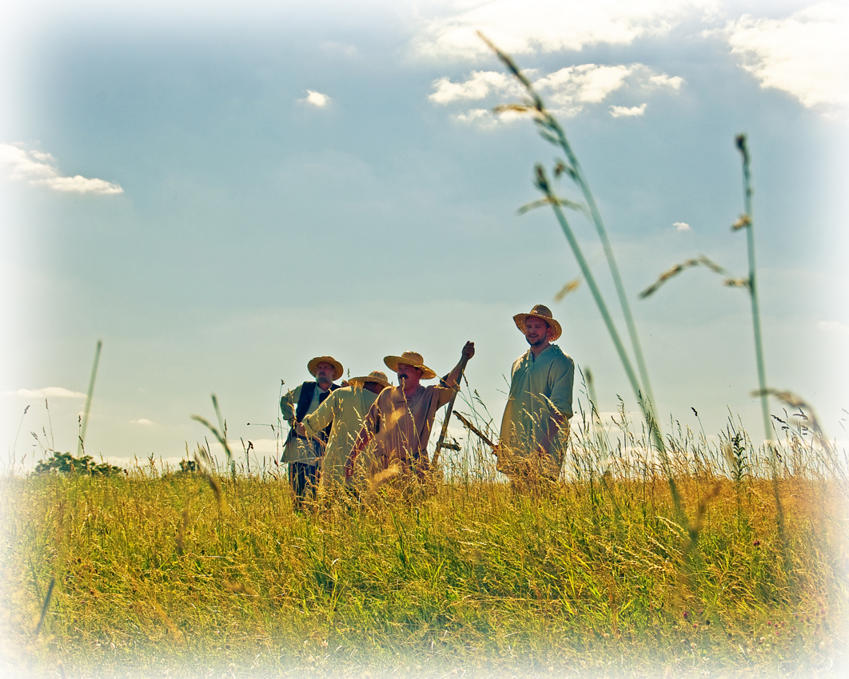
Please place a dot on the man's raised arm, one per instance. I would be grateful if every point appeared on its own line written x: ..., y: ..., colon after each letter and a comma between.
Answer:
x: 452, y: 378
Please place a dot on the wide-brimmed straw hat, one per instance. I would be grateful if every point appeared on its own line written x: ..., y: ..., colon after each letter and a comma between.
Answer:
x: 543, y: 313
x: 337, y: 366
x: 375, y: 376
x: 412, y: 358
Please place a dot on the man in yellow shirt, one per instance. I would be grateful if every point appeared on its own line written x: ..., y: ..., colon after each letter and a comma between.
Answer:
x: 400, y: 419
x: 343, y: 411
x: 535, y: 425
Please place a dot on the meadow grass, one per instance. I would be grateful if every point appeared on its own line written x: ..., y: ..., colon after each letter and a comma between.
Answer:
x: 159, y: 575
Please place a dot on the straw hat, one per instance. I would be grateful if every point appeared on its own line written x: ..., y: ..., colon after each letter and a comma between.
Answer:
x: 543, y: 313
x: 337, y: 366
x: 375, y: 376
x: 412, y: 358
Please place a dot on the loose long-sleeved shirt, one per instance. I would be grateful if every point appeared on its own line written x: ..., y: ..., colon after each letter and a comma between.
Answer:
x: 539, y: 404
x: 298, y: 449
x: 401, y: 424
x: 344, y: 411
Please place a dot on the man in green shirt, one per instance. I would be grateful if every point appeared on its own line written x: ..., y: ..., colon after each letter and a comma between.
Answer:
x: 535, y: 425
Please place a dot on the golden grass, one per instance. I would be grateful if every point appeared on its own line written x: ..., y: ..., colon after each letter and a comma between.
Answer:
x: 153, y: 577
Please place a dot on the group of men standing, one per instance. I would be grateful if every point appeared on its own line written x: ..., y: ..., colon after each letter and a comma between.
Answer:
x: 366, y: 425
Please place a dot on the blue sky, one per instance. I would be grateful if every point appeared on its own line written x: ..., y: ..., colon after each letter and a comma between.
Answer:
x: 221, y: 195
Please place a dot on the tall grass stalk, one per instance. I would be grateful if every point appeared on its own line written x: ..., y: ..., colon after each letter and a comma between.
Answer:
x: 45, y: 605
x: 220, y: 434
x: 747, y: 222
x: 543, y: 185
x: 753, y: 290
x: 84, y: 422
x: 551, y: 131
x: 580, y: 180
x: 750, y: 282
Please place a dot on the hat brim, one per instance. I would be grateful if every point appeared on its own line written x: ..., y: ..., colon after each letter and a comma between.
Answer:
x: 393, y: 361
x: 365, y: 379
x: 520, y: 319
x: 337, y: 366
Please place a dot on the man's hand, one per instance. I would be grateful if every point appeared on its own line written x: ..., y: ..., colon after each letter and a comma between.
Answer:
x: 468, y: 350
x: 300, y: 430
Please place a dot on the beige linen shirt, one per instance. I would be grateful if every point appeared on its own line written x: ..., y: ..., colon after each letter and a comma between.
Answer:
x: 539, y: 405
x: 401, y: 424
x: 344, y: 411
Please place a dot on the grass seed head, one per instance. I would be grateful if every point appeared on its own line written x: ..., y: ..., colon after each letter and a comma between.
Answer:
x: 384, y: 476
x: 741, y: 223
x: 701, y: 260
x: 571, y: 286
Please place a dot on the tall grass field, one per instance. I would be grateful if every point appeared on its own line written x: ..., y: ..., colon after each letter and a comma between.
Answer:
x: 157, y: 573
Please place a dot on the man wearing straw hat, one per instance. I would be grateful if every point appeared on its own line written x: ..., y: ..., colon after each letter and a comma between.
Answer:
x: 343, y: 411
x: 535, y: 425
x: 302, y: 453
x: 401, y: 418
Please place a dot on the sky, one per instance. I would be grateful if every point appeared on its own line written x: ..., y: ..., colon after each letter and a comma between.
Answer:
x: 219, y: 195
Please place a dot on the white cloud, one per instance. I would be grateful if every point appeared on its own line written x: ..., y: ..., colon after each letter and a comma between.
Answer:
x: 79, y: 184
x: 486, y: 119
x: 520, y: 27
x: 671, y: 81
x: 316, y: 99
x: 477, y: 115
x: 627, y: 111
x: 567, y: 91
x: 682, y: 226
x: 835, y: 327
x: 38, y: 168
x: 49, y: 392
x: 477, y: 87
x: 142, y: 421
x: 583, y: 84
x: 805, y: 54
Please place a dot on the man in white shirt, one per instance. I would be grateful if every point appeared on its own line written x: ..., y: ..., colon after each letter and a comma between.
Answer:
x: 302, y: 453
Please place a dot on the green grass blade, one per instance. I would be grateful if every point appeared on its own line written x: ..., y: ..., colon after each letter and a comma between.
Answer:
x: 89, y: 393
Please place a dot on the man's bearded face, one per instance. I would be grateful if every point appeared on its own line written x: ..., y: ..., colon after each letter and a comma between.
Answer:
x: 536, y: 331
x: 324, y: 373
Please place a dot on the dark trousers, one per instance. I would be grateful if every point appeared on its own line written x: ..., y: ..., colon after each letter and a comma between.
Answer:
x: 303, y: 479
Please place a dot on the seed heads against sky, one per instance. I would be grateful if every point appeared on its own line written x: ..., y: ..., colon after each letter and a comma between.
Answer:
x: 220, y: 196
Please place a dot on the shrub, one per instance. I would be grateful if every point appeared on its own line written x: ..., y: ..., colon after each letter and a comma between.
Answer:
x: 65, y: 463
